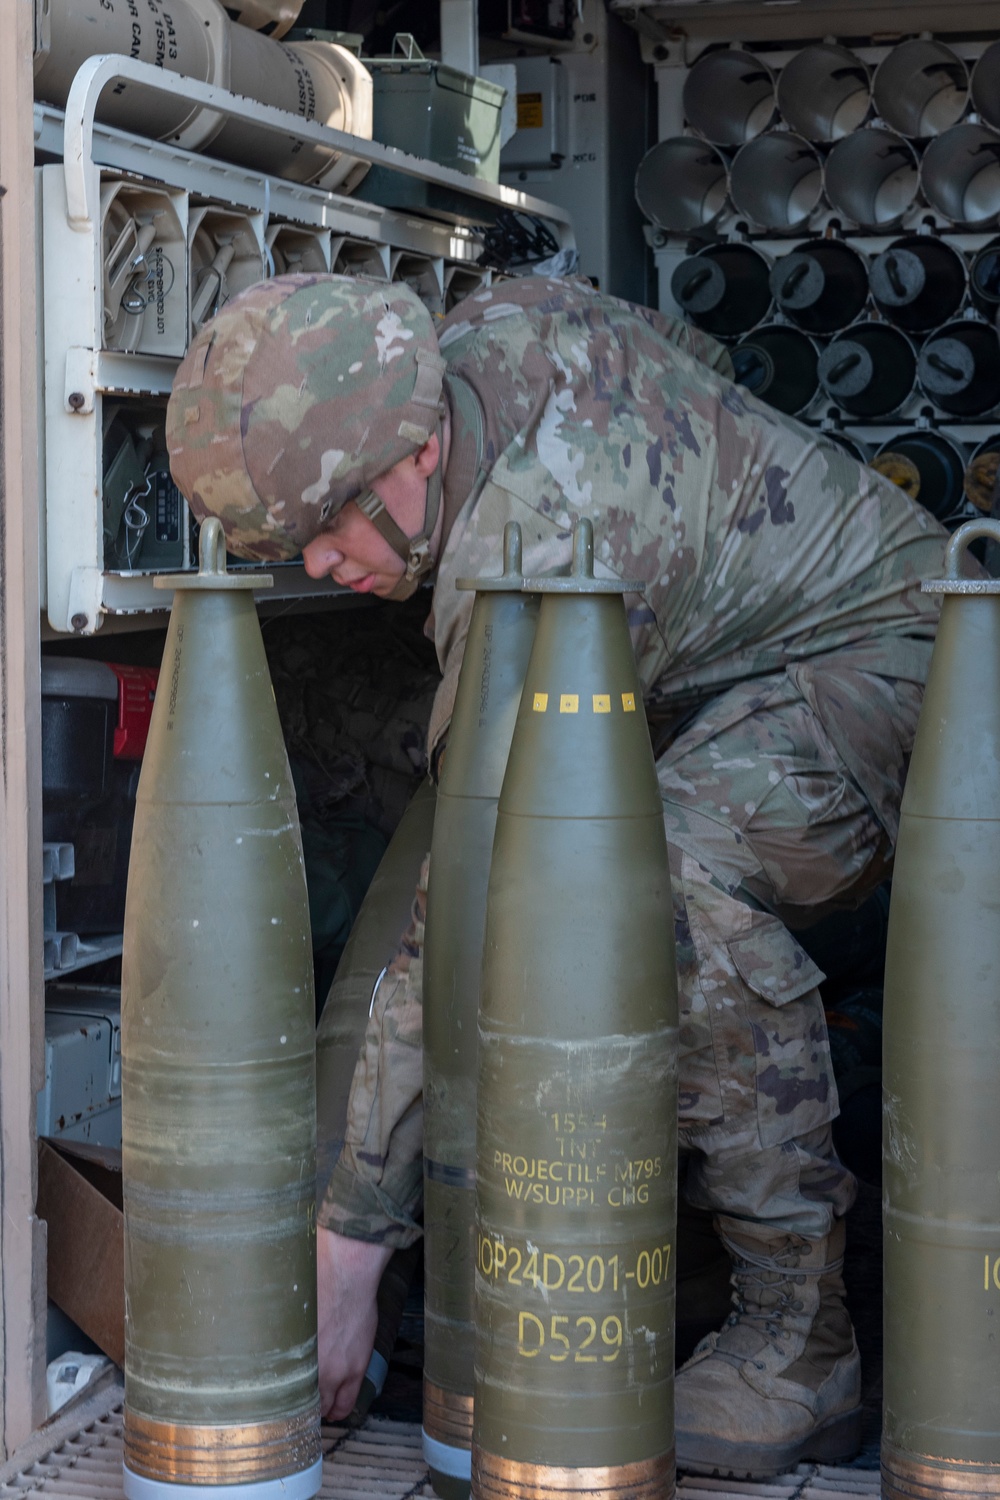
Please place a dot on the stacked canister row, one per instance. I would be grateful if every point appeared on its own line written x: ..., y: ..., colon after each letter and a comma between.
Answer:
x: 772, y: 147
x: 875, y: 320
x: 824, y: 323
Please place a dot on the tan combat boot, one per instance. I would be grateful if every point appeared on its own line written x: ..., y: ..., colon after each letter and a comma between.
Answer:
x: 781, y: 1383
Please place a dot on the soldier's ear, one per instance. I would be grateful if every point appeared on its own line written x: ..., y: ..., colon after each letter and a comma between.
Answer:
x: 425, y: 459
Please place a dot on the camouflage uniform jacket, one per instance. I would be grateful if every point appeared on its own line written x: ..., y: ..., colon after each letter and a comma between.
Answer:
x: 764, y: 546
x: 762, y: 542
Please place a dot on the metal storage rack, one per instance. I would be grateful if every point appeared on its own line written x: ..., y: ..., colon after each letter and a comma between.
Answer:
x: 677, y: 37
x: 281, y: 223
x: 200, y: 229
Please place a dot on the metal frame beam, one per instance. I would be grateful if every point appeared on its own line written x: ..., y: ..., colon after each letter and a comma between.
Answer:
x: 22, y: 1235
x: 663, y: 24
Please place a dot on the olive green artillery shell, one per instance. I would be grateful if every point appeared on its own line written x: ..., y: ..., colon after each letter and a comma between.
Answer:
x: 501, y: 631
x: 941, y: 1136
x: 372, y: 945
x: 218, y: 1066
x: 577, y: 1107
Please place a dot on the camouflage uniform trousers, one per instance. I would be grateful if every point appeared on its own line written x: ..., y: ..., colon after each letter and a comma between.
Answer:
x: 376, y: 1187
x: 764, y: 821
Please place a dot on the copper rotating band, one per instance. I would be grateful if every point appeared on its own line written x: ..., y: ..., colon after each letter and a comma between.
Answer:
x: 909, y: 1476
x: 447, y: 1416
x: 222, y: 1454
x: 501, y: 1479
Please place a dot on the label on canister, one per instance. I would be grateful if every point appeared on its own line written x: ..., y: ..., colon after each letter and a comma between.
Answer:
x: 530, y: 112
x: 576, y: 1181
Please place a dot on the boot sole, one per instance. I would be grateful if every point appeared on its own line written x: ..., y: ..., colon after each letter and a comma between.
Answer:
x: 835, y: 1441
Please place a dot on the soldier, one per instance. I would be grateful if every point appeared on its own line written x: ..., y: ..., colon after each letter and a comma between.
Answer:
x: 782, y: 643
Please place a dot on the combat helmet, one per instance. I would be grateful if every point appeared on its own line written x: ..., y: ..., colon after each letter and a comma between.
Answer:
x: 293, y: 398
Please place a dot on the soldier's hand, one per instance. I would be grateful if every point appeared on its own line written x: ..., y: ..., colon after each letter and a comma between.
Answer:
x: 348, y: 1273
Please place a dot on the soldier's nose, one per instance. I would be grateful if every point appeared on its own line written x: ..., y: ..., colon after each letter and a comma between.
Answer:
x: 321, y: 556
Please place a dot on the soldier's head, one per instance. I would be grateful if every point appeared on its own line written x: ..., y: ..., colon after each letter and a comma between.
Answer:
x: 311, y: 406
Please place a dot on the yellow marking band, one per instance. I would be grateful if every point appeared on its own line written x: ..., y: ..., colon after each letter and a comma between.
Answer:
x: 569, y: 703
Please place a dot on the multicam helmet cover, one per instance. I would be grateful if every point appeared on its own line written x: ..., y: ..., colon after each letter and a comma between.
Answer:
x: 293, y: 398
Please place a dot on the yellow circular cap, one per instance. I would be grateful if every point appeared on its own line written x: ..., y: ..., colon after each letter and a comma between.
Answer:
x: 901, y: 470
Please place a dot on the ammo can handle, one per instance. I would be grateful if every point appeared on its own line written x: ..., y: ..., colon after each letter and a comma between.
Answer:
x: 962, y: 539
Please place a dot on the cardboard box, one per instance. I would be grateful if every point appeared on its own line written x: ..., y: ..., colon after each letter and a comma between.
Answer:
x: 80, y: 1198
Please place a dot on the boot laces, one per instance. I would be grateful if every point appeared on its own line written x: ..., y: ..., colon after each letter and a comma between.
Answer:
x: 761, y: 1299
x: 766, y: 1289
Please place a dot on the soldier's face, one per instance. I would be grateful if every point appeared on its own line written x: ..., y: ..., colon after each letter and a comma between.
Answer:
x: 352, y: 551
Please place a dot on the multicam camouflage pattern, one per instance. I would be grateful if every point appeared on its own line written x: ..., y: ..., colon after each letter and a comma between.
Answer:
x: 377, y: 1185
x: 766, y: 825
x: 799, y: 1187
x: 293, y: 398
x: 762, y: 543
x: 782, y: 643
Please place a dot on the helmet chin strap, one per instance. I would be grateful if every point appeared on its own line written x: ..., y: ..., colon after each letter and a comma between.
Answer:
x: 415, y: 551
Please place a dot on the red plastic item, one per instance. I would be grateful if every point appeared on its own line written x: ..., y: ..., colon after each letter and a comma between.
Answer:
x: 136, y: 691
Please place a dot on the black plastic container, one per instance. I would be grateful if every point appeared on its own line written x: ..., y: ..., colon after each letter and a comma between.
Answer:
x: 822, y: 286
x: 959, y: 368
x: 778, y: 365
x: 868, y: 371
x: 919, y: 282
x: 79, y: 714
x: 723, y: 289
x: 934, y: 465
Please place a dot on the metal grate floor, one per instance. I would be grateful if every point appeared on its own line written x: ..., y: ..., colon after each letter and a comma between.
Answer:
x: 78, y: 1456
